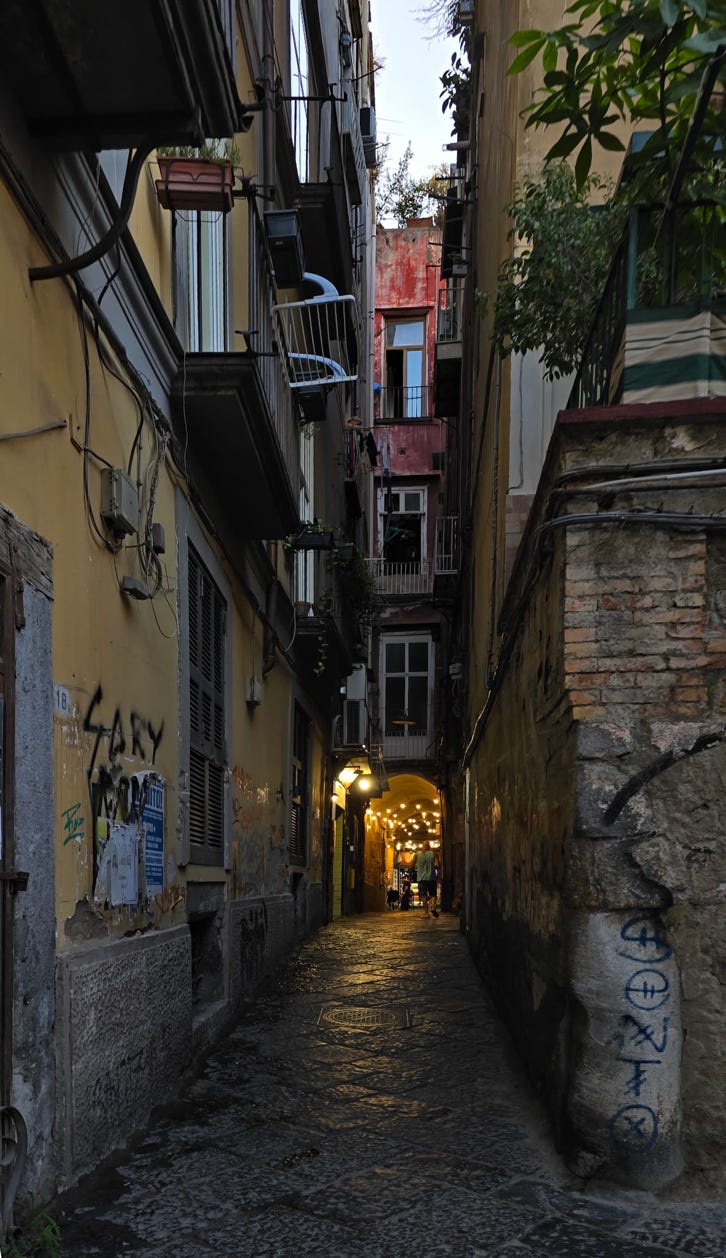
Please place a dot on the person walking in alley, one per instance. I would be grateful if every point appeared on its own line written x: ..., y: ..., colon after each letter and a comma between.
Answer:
x: 426, y: 876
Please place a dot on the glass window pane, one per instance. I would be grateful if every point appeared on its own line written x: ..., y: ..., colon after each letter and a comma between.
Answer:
x: 418, y: 657
x: 414, y: 370
x: 395, y: 657
x: 412, y: 501
x: 408, y: 333
x: 395, y: 704
x: 418, y: 689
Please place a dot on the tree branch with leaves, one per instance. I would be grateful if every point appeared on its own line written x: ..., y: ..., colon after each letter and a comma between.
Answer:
x: 633, y: 64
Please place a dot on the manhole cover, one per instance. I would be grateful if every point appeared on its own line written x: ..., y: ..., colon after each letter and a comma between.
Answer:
x: 362, y: 1018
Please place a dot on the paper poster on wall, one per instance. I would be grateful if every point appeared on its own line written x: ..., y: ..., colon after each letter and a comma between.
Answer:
x: 152, y: 823
x: 118, y: 875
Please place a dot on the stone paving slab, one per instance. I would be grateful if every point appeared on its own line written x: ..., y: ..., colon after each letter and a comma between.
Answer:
x: 305, y: 1136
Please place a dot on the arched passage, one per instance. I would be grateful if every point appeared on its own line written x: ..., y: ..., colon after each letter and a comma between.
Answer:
x: 406, y: 817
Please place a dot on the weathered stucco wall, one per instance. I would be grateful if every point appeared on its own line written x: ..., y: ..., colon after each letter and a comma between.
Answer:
x: 598, y: 866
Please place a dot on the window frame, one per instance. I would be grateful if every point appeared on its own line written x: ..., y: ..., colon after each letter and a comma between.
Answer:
x: 406, y: 640
x: 301, y: 742
x: 401, y: 488
x: 408, y: 408
x: 200, y: 249
x: 189, y: 528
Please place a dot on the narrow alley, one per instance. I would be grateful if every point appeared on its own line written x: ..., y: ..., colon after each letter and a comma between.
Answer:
x: 369, y: 1103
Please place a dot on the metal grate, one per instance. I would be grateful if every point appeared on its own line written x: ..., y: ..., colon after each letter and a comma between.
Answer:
x: 363, y: 1017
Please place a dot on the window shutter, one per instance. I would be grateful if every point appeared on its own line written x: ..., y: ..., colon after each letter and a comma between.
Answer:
x: 207, y: 754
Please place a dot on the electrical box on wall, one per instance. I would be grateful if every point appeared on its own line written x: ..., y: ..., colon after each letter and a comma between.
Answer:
x: 119, y: 500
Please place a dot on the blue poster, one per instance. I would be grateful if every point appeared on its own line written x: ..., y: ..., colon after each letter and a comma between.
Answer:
x: 152, y: 821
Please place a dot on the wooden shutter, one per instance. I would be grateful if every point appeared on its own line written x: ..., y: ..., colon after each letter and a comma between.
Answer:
x: 299, y: 789
x: 207, y: 753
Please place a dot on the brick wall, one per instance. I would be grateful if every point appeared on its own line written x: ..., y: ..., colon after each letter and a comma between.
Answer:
x: 598, y: 868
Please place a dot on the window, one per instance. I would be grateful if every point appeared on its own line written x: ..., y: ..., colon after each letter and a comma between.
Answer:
x: 406, y: 686
x: 299, y: 792
x: 300, y: 88
x: 200, y: 265
x: 207, y: 756
x: 402, y: 525
x: 405, y: 393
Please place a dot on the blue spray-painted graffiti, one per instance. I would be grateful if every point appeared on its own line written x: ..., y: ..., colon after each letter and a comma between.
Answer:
x: 642, y: 1042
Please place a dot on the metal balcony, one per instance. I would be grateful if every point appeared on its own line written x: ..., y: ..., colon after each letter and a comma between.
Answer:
x: 402, y: 579
x: 450, y: 314
x: 356, y: 172
x: 319, y: 339
x: 394, y: 403
x: 234, y: 412
x: 446, y: 546
x: 446, y: 558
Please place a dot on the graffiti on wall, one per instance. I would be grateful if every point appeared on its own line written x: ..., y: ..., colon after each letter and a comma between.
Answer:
x: 74, y: 826
x: 136, y: 736
x: 646, y: 1043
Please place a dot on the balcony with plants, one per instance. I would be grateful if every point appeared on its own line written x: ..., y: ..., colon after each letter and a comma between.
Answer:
x: 335, y: 604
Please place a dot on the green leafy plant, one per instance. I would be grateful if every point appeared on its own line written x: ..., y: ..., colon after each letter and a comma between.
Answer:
x: 401, y: 196
x: 456, y: 94
x: 550, y: 286
x: 324, y: 614
x: 36, y: 1235
x: 635, y: 62
x: 220, y: 151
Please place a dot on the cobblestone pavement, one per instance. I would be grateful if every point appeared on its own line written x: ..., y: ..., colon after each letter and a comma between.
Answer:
x: 369, y: 1104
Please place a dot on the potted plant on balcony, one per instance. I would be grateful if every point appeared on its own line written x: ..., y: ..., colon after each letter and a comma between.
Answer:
x: 313, y: 535
x: 197, y: 178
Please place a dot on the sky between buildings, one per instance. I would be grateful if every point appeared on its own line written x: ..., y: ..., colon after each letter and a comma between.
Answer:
x: 408, y: 107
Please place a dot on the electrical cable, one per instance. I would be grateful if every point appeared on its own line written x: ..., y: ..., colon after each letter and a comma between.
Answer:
x: 100, y: 536
x: 660, y: 519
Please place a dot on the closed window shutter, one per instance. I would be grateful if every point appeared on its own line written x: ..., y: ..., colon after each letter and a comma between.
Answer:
x: 300, y: 789
x: 207, y: 615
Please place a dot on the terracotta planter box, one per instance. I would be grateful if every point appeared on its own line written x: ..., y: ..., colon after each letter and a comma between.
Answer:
x: 191, y: 183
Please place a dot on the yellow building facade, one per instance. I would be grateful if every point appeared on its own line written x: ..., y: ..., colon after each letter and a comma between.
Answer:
x: 167, y: 432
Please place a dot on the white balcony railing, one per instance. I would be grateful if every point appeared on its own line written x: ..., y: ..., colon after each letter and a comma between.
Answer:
x: 446, y: 546
x: 405, y: 746
x: 316, y: 339
x: 402, y: 578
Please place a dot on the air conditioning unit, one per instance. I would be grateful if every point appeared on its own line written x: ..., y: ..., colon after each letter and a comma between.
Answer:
x: 354, y: 723
x: 284, y: 237
x: 350, y: 728
x: 368, y: 134
x: 356, y: 684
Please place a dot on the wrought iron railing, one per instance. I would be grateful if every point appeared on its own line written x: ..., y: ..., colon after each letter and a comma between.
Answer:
x: 404, y: 402
x: 446, y: 546
x: 664, y: 261
x: 349, y: 126
x: 263, y: 341
x: 450, y: 312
